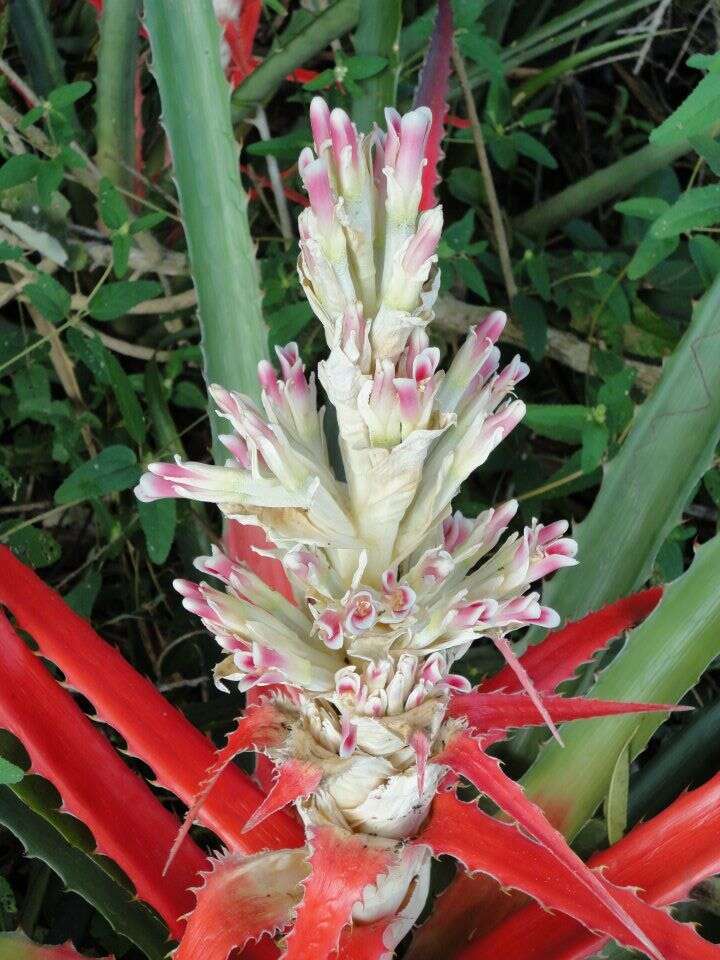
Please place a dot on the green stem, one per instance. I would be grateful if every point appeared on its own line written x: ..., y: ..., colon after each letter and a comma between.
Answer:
x: 603, y: 185
x: 377, y: 35
x: 115, y: 101
x: 196, y: 115
x: 288, y: 56
x: 661, y: 660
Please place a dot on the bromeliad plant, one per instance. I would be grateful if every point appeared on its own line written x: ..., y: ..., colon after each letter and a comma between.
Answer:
x: 367, y: 723
x: 357, y: 701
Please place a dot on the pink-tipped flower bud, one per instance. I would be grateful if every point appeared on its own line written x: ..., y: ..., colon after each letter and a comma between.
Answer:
x: 320, y: 123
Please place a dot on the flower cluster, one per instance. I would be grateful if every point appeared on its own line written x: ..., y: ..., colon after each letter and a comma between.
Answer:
x: 390, y: 586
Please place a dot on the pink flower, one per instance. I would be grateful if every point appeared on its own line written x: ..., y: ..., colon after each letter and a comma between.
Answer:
x: 329, y: 626
x: 360, y: 612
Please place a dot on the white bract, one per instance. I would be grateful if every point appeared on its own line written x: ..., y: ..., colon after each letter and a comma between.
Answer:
x: 390, y: 586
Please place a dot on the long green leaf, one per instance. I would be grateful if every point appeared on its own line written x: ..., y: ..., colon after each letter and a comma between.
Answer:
x: 661, y: 660
x: 288, y: 55
x: 646, y: 486
x: 377, y: 35
x: 81, y: 874
x: 196, y: 114
x: 114, y: 104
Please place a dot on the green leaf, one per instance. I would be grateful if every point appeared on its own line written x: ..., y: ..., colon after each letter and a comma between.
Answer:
x: 83, y: 595
x: 116, y: 299
x: 562, y: 421
x: 646, y: 208
x: 699, y: 207
x: 80, y: 873
x: 147, y: 221
x: 50, y: 297
x: 694, y: 115
x: 471, y: 277
x: 661, y: 660
x: 616, y: 801
x: 49, y: 177
x: 531, y: 314
x: 32, y: 389
x: 362, y: 67
x: 8, y: 251
x: 482, y: 50
x: 709, y: 149
x: 459, y: 234
x: 158, y: 521
x: 594, y: 444
x: 287, y: 322
x: 288, y: 146
x: 189, y: 395
x: 528, y: 146
x: 121, y: 246
x: 537, y: 270
x: 113, y: 209
x: 320, y: 82
x: 35, y: 547
x: 649, y: 254
x: 69, y: 93
x: 34, y: 114
x: 114, y: 469
x: 107, y: 370
x: 9, y: 773
x: 19, y: 170
x: 705, y: 254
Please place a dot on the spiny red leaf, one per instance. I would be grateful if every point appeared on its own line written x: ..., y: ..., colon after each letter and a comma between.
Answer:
x: 464, y: 756
x: 485, y: 844
x: 664, y: 857
x: 16, y: 946
x: 432, y: 92
x: 561, y: 653
x: 154, y: 730
x: 128, y: 823
x: 242, y: 899
x: 522, y: 677
x: 342, y: 865
x: 261, y: 726
x: 365, y: 941
x: 487, y: 712
x: 295, y: 779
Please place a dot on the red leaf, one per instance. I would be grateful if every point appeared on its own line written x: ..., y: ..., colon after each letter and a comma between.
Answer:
x: 522, y: 677
x: 365, y: 941
x: 295, y: 779
x: 561, y: 653
x: 432, y: 92
x: 153, y: 729
x: 464, y: 756
x: 16, y: 946
x: 665, y: 857
x: 342, y: 865
x: 260, y: 727
x: 240, y: 541
x: 240, y: 36
x: 242, y: 899
x: 485, y: 844
x: 487, y: 712
x: 128, y: 823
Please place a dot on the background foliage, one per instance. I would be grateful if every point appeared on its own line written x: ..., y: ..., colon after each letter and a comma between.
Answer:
x: 599, y: 124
